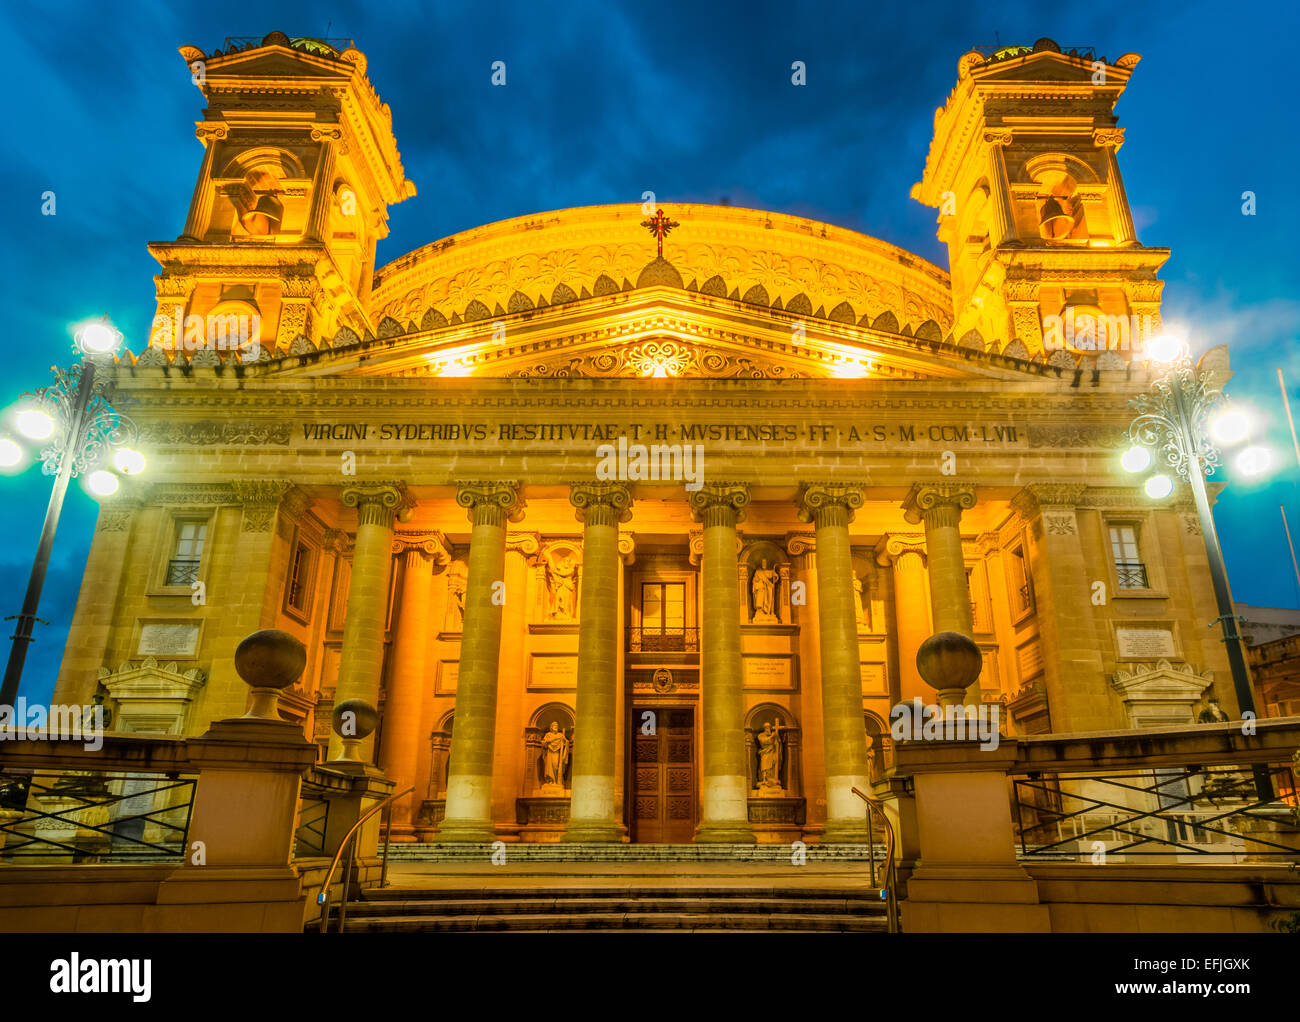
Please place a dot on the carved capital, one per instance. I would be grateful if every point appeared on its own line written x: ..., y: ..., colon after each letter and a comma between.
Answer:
x: 261, y: 499
x: 938, y: 503
x: 998, y: 136
x: 210, y: 132
x: 896, y: 544
x: 491, y: 503
x: 828, y: 503
x: 798, y: 543
x: 601, y: 503
x: 431, y: 545
x: 719, y: 503
x: 376, y: 503
x: 1108, y: 138
x: 1038, y: 496
x: 627, y: 547
x: 527, y: 543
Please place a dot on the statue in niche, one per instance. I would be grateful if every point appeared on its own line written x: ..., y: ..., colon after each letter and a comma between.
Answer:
x: 562, y: 577
x: 456, y: 606
x: 1213, y: 713
x: 763, y: 587
x: 857, y: 602
x: 768, y: 742
x: 555, y: 756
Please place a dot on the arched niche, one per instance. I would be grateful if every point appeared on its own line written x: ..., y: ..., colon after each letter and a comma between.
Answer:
x: 880, y: 746
x: 765, y: 583
x: 773, y: 730
x: 868, y: 593
x: 558, y: 576
x: 549, y: 759
x: 440, y: 746
x: 1059, y: 204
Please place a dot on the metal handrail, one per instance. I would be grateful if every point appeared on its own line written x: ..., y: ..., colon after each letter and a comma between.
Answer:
x: 348, y: 843
x: 891, y: 871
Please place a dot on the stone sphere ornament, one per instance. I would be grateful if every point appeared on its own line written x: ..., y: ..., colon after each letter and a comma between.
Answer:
x: 353, y: 720
x: 268, y: 661
x: 950, y: 663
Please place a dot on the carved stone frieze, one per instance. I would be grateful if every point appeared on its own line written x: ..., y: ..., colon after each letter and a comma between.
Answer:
x: 209, y: 432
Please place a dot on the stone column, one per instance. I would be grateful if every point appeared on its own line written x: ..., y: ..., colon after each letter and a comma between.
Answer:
x: 1122, y: 228
x: 322, y: 184
x: 200, y: 214
x: 421, y: 557
x: 593, y: 807
x: 939, y: 506
x: 361, y: 660
x: 724, y: 788
x: 469, y: 780
x: 830, y: 508
x: 1003, y: 222
x: 906, y: 552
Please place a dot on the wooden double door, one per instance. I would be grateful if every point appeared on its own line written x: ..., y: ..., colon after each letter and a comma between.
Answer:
x: 663, y: 775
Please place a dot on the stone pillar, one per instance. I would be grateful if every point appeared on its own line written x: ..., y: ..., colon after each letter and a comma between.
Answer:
x: 1004, y: 224
x: 361, y: 660
x: 830, y: 508
x: 322, y: 184
x: 1110, y: 139
x: 724, y: 789
x: 939, y: 506
x: 469, y: 781
x: 421, y: 557
x: 906, y: 552
x: 593, y: 808
x: 200, y: 214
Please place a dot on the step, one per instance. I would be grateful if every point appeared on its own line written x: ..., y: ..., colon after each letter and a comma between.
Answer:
x: 592, y: 905
x: 375, y: 895
x: 568, y: 852
x: 621, y: 921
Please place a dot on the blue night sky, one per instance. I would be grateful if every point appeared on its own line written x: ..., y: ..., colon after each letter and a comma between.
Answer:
x: 604, y: 101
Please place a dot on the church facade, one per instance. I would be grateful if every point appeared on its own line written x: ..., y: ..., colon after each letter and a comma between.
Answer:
x: 630, y: 521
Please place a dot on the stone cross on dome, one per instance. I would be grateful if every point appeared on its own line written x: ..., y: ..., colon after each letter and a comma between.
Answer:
x: 659, y: 225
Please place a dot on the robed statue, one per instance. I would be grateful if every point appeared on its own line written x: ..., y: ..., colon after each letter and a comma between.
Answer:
x: 564, y: 582
x: 768, y: 742
x: 555, y: 755
x: 763, y: 587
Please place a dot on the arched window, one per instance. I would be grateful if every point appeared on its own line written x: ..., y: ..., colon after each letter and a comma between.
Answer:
x: 260, y: 211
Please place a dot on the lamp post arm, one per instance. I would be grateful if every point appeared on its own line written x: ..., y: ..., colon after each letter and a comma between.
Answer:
x: 22, y: 637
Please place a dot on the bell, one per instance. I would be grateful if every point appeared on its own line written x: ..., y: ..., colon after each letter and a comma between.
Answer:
x: 263, y: 218
x: 1055, y: 222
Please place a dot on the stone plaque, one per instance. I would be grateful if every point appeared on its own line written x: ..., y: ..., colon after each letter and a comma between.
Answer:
x: 172, y: 639
x: 768, y: 672
x: 553, y: 671
x: 1146, y: 643
x: 873, y: 680
x: 448, y: 672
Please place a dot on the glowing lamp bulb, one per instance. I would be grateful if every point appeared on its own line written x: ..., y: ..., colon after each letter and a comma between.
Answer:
x: 98, y: 338
x: 1254, y: 461
x: 101, y: 483
x: 1159, y: 487
x: 35, y: 424
x: 1230, y: 427
x: 1135, y: 459
x: 10, y: 453
x: 128, y: 462
x: 1165, y: 348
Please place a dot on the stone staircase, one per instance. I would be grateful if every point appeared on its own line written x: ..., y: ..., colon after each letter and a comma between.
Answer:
x: 615, y: 853
x: 642, y: 906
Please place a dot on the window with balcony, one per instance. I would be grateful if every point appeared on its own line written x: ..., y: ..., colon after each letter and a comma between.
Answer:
x: 186, y: 553
x: 1130, y: 569
x: 663, y: 619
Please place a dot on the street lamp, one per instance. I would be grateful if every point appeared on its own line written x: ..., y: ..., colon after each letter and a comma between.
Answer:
x: 1178, y: 420
x: 78, y: 433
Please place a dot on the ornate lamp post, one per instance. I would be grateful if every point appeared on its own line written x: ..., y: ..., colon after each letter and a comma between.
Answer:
x: 81, y: 434
x: 1179, y: 420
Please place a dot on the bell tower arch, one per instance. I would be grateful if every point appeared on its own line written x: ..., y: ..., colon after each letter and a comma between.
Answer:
x: 299, y: 168
x: 1024, y: 173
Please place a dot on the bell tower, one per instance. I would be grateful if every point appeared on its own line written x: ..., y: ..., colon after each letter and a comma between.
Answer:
x: 299, y: 169
x: 1023, y: 169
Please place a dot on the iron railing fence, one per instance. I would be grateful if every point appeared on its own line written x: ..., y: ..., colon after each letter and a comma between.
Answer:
x: 1165, y: 811
x: 663, y: 640
x: 313, y: 819
x: 1131, y: 575
x: 182, y: 571
x: 94, y: 816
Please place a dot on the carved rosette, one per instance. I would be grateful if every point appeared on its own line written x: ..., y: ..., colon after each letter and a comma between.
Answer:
x: 491, y: 503
x: 719, y: 504
x: 826, y: 504
x: 601, y: 503
x: 376, y: 503
x: 938, y: 504
x: 261, y: 499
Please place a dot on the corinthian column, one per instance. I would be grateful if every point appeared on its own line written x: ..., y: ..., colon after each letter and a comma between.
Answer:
x: 421, y: 557
x: 469, y: 776
x: 725, y: 788
x: 593, y: 807
x: 361, y: 660
x: 830, y: 508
